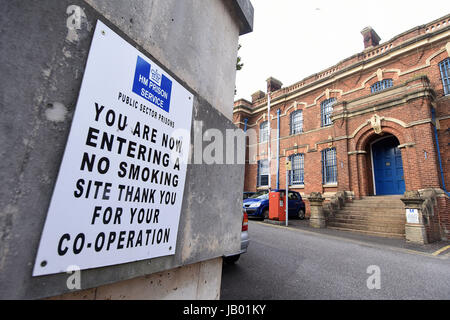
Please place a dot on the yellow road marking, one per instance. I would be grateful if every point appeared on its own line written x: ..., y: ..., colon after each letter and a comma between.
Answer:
x: 437, y: 252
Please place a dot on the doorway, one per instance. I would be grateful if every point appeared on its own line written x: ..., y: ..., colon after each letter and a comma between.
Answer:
x: 387, y: 167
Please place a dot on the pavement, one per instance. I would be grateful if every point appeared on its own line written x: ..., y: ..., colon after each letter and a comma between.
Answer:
x: 439, y: 249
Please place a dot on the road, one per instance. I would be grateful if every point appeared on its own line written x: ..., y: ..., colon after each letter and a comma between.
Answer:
x: 296, y: 264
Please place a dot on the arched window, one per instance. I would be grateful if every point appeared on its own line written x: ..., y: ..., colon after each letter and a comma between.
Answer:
x: 444, y: 67
x: 264, y: 131
x: 296, y: 122
x: 326, y: 109
x: 297, y: 173
x: 381, y: 85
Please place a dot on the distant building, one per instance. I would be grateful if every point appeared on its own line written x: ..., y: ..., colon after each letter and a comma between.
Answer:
x: 366, y: 126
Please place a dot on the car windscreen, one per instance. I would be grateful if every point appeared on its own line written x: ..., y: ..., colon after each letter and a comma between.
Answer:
x: 260, y: 195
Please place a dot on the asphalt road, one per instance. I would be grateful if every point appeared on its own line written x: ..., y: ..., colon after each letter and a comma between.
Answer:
x: 295, y: 264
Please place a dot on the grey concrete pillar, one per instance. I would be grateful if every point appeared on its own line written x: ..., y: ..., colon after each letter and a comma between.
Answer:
x: 317, y: 218
x: 414, y: 228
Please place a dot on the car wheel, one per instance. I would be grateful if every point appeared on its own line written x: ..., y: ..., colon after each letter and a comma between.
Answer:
x: 266, y: 213
x: 301, y: 214
x: 231, y: 259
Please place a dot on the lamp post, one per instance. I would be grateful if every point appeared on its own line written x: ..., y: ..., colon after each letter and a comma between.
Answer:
x: 288, y: 168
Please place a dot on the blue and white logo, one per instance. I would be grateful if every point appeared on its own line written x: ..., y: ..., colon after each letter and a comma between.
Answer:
x: 155, y: 76
x: 151, y: 84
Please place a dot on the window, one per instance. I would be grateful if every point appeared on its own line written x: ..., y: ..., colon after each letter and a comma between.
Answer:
x: 381, y: 85
x: 444, y: 67
x: 264, y: 131
x: 326, y: 109
x: 296, y: 175
x: 263, y: 173
x: 296, y: 122
x: 329, y: 166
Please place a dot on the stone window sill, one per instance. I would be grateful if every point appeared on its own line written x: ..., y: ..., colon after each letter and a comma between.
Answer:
x: 330, y: 185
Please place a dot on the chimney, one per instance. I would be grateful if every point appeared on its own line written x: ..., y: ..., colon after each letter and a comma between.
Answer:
x: 257, y: 95
x: 273, y: 84
x: 371, y: 38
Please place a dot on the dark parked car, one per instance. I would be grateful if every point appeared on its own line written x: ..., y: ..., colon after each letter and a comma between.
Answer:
x: 258, y: 205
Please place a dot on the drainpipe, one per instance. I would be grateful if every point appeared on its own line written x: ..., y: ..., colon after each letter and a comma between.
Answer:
x: 278, y: 149
x: 433, y: 117
x: 269, y: 154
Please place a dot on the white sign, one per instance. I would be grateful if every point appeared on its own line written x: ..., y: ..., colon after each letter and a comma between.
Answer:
x: 412, y: 216
x: 120, y: 186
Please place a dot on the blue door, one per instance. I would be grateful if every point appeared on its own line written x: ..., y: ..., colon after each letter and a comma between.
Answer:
x: 388, y: 167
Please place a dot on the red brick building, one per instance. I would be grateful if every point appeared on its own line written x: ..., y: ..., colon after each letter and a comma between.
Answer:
x: 365, y: 127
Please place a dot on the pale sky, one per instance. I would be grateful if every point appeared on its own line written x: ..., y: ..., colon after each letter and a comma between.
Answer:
x: 293, y: 39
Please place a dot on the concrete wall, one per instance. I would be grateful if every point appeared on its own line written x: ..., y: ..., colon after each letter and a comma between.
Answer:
x: 198, y: 281
x: 42, y: 67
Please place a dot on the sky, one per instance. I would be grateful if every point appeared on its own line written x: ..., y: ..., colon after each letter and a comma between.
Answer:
x: 293, y: 39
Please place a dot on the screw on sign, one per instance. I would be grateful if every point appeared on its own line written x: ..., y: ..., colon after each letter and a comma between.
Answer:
x: 120, y: 152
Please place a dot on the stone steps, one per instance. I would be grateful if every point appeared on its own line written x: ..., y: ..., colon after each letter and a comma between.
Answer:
x: 372, y: 212
x: 363, y: 220
x: 381, y: 216
x: 374, y: 205
x: 392, y: 196
x: 372, y: 233
x: 391, y: 204
x: 400, y: 229
x: 360, y: 206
